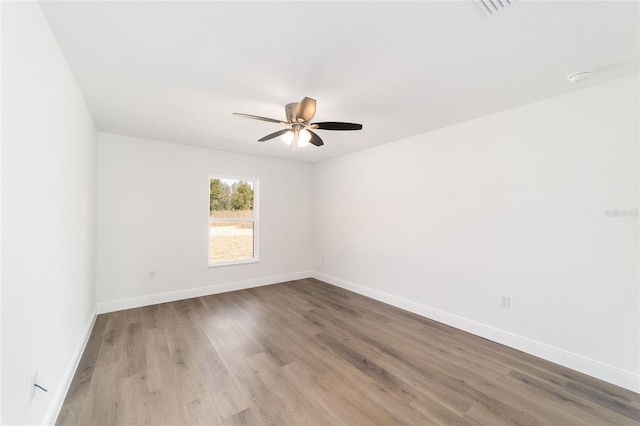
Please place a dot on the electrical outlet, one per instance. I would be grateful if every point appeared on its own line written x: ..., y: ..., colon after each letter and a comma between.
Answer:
x: 34, y: 380
x: 321, y: 259
x: 505, y: 302
x: 151, y: 275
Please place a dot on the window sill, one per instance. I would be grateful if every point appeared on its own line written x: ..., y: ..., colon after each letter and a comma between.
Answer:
x: 231, y: 263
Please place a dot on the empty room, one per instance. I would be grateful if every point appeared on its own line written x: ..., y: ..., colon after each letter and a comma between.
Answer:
x: 320, y: 213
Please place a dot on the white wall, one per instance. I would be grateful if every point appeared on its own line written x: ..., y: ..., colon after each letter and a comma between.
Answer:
x: 0, y: 221
x: 153, y: 215
x: 513, y: 204
x: 49, y: 181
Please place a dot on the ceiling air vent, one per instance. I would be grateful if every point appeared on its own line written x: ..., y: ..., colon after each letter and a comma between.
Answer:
x: 492, y: 7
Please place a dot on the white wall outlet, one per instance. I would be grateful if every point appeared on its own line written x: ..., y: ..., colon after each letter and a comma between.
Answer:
x: 151, y: 275
x: 33, y: 389
x: 505, y: 302
x: 321, y: 259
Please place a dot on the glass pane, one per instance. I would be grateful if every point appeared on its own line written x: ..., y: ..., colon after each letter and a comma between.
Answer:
x: 230, y: 198
x: 230, y: 241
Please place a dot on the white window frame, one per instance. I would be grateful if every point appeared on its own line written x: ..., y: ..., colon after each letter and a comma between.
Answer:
x: 254, y: 220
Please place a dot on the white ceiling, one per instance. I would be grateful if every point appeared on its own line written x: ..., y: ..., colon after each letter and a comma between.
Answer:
x: 175, y: 71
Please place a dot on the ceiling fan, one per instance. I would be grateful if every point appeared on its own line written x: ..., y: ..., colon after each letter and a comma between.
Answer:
x: 298, y: 127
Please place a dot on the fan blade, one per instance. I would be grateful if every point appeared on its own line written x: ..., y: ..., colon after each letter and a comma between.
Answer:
x: 336, y: 125
x: 257, y: 117
x: 315, y: 139
x: 306, y: 110
x: 274, y: 135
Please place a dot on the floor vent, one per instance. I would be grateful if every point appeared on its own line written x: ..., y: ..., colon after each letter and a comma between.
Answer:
x: 492, y: 7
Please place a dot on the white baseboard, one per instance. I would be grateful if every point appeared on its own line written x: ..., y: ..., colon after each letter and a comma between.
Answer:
x: 61, y: 392
x: 137, y: 302
x: 616, y: 376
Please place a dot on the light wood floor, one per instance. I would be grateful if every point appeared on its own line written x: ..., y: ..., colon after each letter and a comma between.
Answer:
x: 307, y: 353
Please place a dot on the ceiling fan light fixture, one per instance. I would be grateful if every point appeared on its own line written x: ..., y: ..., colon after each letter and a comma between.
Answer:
x: 303, y: 138
x: 287, y: 138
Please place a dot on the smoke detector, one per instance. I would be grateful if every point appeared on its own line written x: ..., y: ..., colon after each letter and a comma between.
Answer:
x: 491, y: 7
x: 579, y: 76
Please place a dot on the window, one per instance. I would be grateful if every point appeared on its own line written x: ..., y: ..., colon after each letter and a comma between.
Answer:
x: 233, y: 220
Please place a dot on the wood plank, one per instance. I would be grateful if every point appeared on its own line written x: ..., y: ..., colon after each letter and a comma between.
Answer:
x: 165, y: 403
